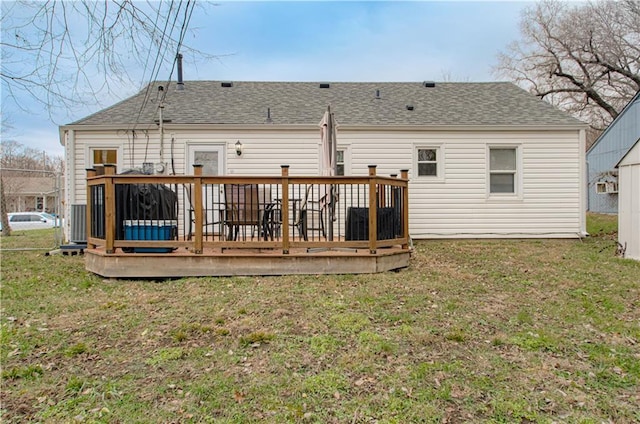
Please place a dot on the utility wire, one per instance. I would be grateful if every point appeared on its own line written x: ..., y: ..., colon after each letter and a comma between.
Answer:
x: 183, y: 30
x: 156, y: 65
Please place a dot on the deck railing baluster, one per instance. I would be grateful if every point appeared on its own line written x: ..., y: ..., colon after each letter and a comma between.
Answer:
x: 371, y: 212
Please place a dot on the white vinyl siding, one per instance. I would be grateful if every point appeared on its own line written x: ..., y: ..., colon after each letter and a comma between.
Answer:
x: 629, y: 203
x: 548, y: 203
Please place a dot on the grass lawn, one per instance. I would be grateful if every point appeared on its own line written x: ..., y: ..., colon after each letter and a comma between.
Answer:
x: 496, y: 331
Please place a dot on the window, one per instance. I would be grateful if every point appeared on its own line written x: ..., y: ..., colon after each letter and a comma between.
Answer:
x: 603, y: 187
x: 503, y: 170
x: 104, y: 156
x: 25, y: 218
x: 340, y: 162
x: 428, y: 162
x: 100, y: 156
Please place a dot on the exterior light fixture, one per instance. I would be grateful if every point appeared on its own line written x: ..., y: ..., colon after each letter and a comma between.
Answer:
x: 238, y: 148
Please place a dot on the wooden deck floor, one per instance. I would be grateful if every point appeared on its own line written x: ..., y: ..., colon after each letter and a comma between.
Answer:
x: 247, y: 262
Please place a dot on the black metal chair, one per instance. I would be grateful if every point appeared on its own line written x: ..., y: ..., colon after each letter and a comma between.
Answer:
x: 310, y: 215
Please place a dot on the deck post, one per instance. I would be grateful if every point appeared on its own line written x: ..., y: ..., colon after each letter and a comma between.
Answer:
x: 110, y: 207
x: 404, y: 174
x: 284, y: 208
x: 91, y: 172
x: 197, y: 206
x: 373, y: 209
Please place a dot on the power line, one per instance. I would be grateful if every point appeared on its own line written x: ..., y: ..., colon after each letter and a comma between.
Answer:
x: 156, y: 65
x: 183, y: 31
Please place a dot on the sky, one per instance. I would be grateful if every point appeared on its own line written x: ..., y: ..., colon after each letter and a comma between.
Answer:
x: 326, y: 41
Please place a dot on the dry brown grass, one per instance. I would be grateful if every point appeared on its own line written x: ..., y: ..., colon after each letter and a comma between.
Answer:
x: 473, y: 331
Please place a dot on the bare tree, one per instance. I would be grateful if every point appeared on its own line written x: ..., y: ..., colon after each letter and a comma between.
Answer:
x: 20, y: 160
x: 583, y: 58
x: 66, y: 53
x: 448, y: 76
x: 6, y: 229
x: 19, y: 163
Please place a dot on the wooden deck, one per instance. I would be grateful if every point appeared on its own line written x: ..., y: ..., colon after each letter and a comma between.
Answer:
x: 248, y: 262
x: 149, y: 226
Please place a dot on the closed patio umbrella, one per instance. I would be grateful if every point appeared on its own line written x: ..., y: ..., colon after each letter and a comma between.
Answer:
x: 328, y: 164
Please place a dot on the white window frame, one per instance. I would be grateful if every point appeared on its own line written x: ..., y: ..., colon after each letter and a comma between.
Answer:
x: 88, y: 154
x: 606, y: 187
x: 346, y: 156
x: 440, y: 154
x: 517, y: 174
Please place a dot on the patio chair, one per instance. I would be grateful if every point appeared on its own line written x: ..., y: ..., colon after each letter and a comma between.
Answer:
x: 246, y: 206
x: 209, y: 224
x: 310, y: 215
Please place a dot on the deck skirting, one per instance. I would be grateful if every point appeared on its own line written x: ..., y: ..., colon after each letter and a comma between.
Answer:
x: 244, y: 263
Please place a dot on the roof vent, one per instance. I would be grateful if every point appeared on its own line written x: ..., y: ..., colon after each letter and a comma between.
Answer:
x: 429, y: 84
x: 378, y: 94
x: 226, y: 84
x: 409, y: 107
x: 269, y: 120
x: 325, y: 85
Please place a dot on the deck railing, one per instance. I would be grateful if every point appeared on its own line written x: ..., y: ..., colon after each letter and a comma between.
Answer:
x: 191, y: 213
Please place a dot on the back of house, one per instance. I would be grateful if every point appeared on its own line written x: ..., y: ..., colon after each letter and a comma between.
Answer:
x: 485, y: 160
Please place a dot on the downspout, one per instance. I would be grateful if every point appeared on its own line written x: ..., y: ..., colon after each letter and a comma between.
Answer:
x: 161, y: 129
x: 70, y: 181
x: 587, y: 173
x: 582, y: 170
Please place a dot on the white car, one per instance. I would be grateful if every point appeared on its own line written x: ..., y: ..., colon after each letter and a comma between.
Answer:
x: 32, y: 220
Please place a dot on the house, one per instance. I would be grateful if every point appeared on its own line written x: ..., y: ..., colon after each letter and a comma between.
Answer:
x: 485, y: 160
x: 629, y: 202
x: 606, y: 152
x: 32, y: 193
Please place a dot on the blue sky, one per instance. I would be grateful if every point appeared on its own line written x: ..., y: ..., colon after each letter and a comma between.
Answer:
x: 318, y: 41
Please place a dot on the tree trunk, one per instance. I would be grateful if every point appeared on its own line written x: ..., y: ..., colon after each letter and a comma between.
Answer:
x: 6, y: 230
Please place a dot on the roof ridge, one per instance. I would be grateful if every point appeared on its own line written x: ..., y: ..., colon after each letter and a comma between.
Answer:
x: 333, y: 81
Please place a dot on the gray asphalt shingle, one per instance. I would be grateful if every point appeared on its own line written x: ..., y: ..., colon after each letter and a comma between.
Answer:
x: 354, y: 103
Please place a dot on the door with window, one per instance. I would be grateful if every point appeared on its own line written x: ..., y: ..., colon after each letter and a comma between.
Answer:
x: 211, y: 157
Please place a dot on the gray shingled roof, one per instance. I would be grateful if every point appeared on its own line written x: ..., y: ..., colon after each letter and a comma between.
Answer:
x: 354, y: 103
x: 30, y: 185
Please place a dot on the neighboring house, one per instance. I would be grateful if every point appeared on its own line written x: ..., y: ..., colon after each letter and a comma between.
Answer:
x: 629, y: 203
x: 606, y: 152
x: 25, y: 194
x: 486, y: 159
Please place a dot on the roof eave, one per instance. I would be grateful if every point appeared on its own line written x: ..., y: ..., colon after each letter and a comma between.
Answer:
x: 626, y: 154
x: 343, y: 127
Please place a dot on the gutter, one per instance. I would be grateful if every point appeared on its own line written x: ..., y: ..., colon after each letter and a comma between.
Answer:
x: 341, y: 127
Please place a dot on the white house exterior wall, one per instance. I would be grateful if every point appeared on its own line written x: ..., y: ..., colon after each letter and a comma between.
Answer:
x: 629, y: 203
x: 456, y: 205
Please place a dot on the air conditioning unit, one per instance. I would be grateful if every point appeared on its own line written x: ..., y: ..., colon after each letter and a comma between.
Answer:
x: 606, y: 187
x: 78, y: 233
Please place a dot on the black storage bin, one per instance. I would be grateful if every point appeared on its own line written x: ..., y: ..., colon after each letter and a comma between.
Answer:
x: 358, y: 224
